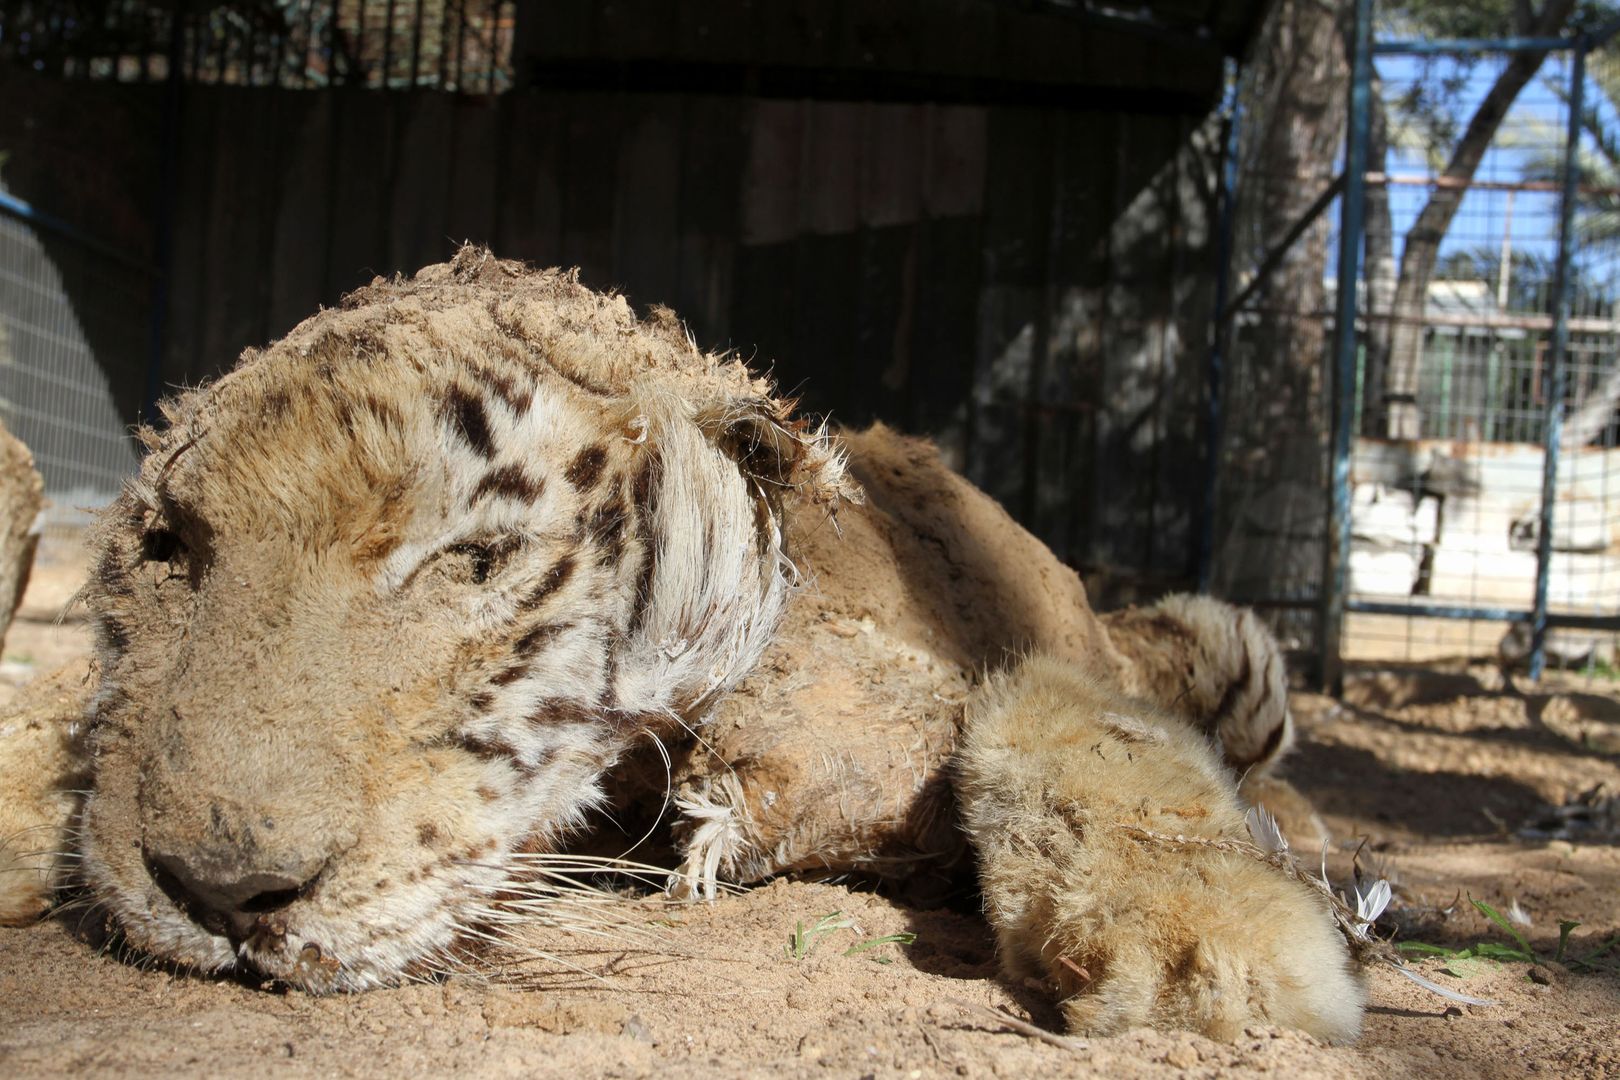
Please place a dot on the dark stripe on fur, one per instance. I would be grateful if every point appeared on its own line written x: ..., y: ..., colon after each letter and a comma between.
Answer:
x: 510, y: 675
x: 385, y: 413
x: 1229, y: 699
x: 560, y: 711
x: 511, y: 482
x: 517, y: 398
x: 537, y: 639
x: 1267, y: 751
x: 642, y: 494
x: 555, y: 579
x: 111, y: 575
x: 644, y: 585
x: 607, y: 529
x: 1265, y: 684
x: 114, y: 633
x: 1164, y: 624
x: 494, y: 749
x: 585, y: 471
x: 465, y: 415
x: 610, y: 671
x: 277, y: 405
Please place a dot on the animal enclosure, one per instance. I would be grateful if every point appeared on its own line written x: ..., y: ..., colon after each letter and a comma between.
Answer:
x: 1448, y: 478
x: 1094, y: 288
x: 1007, y: 256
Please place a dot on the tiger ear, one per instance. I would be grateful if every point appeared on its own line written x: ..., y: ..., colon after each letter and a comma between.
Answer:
x: 776, y: 451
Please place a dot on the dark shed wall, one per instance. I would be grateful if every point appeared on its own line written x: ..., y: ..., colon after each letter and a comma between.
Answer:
x: 1030, y: 285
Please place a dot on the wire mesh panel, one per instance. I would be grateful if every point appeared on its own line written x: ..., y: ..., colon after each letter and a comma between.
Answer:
x: 457, y: 45
x: 1453, y: 370
x: 1477, y: 456
x: 55, y: 393
x: 1585, y: 521
x: 77, y: 329
x: 1269, y: 526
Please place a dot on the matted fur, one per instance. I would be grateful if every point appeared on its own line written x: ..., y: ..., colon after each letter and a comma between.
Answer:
x: 1096, y: 820
x: 1219, y: 667
x: 1216, y: 664
x: 388, y: 600
x: 835, y: 754
x: 396, y: 604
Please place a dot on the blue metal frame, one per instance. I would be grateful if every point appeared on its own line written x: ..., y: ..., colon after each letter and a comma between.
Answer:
x: 1447, y: 46
x: 1352, y: 207
x: 40, y: 219
x: 1335, y: 602
x: 1558, y: 362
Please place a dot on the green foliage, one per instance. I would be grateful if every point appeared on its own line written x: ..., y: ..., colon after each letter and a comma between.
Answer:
x: 1530, y: 285
x: 1507, y: 927
x: 1597, y: 160
x: 803, y: 941
x: 1466, y: 961
x: 1565, y: 927
x: 1475, y: 19
x: 904, y: 938
x: 1424, y: 115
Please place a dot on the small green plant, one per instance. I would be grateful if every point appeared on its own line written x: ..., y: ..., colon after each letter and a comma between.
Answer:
x: 904, y: 938
x: 1603, y: 669
x: 802, y: 942
x: 1464, y: 961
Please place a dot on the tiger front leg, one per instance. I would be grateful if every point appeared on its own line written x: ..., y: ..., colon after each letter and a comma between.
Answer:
x: 832, y: 758
x: 1116, y: 866
x: 43, y: 767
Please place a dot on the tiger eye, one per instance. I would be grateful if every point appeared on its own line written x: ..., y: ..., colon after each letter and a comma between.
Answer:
x: 161, y: 545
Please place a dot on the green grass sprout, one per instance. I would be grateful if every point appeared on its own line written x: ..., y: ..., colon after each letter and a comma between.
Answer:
x: 803, y: 941
x: 905, y: 938
x: 1464, y: 961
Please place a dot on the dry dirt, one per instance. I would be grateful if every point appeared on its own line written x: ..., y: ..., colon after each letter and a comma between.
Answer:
x: 1430, y: 767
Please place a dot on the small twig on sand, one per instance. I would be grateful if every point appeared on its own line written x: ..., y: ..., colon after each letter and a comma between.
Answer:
x: 1018, y: 1025
x: 939, y: 1054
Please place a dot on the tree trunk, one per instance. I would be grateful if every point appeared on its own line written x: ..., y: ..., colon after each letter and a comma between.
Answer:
x: 1294, y: 160
x: 1424, y: 238
x: 1276, y: 420
x: 1378, y: 266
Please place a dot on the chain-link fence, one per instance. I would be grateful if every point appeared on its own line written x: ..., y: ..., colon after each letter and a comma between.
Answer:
x: 57, y: 358
x: 460, y: 46
x: 82, y: 299
x: 456, y: 45
x: 1440, y: 479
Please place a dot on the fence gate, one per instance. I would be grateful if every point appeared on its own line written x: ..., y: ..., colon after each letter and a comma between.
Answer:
x: 1419, y: 455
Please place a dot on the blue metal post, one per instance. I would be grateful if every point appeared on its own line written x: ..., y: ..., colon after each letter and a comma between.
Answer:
x: 1217, y: 348
x: 1558, y: 365
x: 1336, y: 544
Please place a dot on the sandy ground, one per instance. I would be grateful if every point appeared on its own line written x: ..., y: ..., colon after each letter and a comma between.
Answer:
x: 1430, y: 768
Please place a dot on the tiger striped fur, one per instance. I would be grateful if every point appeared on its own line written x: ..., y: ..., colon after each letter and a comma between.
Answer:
x: 397, y: 604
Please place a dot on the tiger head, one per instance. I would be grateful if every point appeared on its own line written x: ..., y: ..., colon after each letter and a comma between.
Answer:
x: 386, y: 601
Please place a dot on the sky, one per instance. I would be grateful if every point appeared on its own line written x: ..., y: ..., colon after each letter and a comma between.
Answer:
x: 1534, y: 128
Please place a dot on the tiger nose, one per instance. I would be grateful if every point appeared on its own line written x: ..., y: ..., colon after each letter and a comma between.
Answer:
x: 230, y: 880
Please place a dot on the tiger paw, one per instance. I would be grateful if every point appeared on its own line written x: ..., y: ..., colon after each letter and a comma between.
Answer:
x: 1116, y: 867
